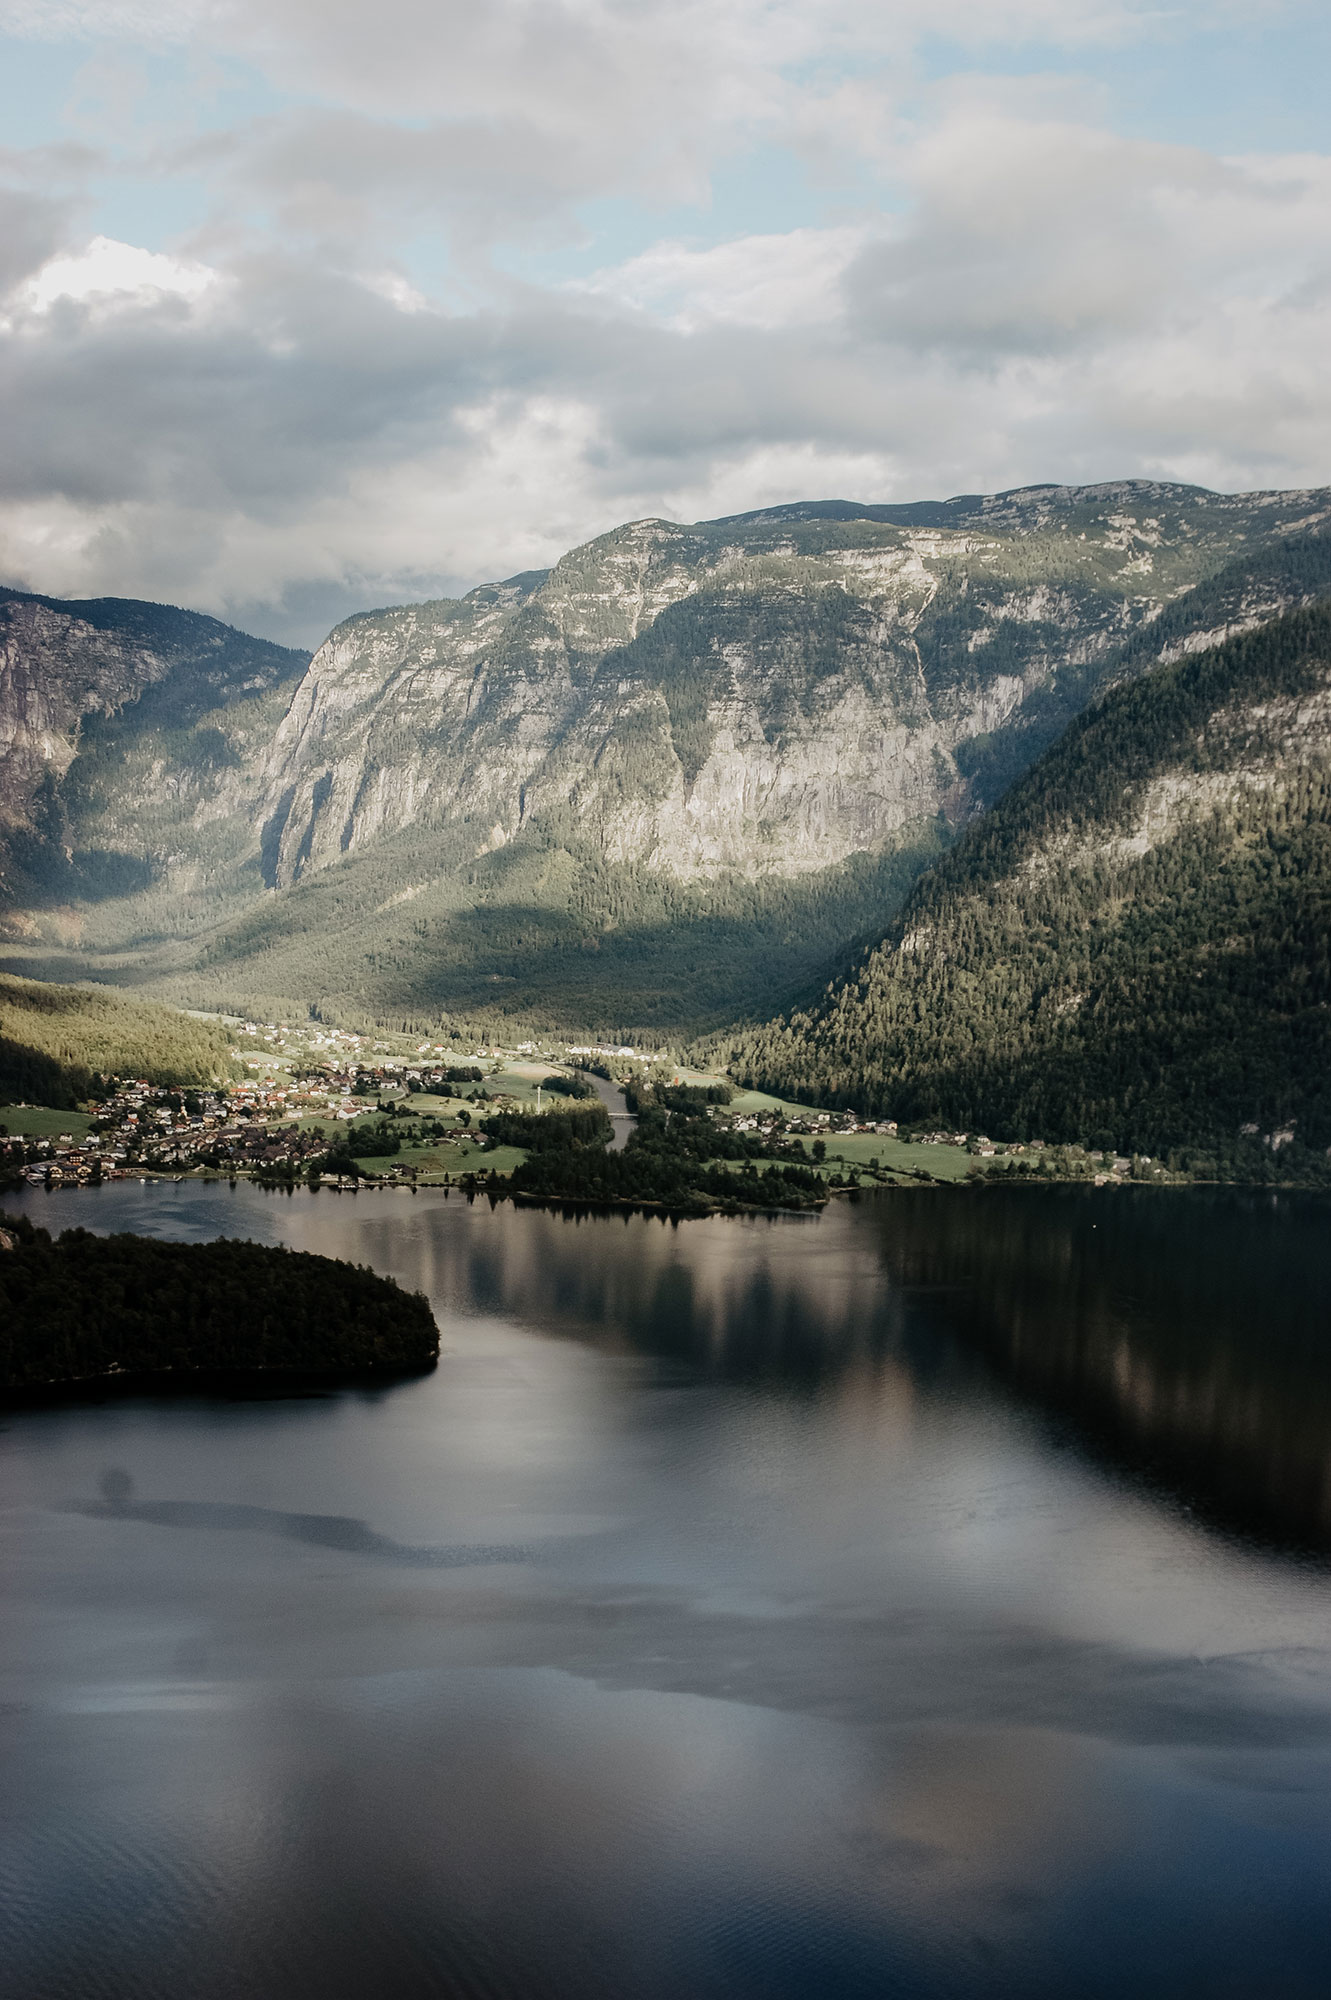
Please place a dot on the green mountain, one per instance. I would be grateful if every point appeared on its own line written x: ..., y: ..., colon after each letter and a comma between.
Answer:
x: 663, y: 786
x: 1133, y: 948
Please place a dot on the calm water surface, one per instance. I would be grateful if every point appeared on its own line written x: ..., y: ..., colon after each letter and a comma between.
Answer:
x: 931, y: 1599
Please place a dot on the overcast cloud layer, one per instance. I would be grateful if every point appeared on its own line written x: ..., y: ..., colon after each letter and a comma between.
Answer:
x: 317, y: 304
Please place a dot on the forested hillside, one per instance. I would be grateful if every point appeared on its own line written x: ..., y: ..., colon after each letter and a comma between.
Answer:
x: 81, y: 1306
x: 1133, y: 948
x: 55, y: 1039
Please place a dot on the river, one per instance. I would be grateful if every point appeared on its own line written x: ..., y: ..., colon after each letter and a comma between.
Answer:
x: 928, y: 1598
x: 622, y: 1120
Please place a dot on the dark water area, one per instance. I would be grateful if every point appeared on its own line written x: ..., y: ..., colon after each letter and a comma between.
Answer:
x: 929, y: 1598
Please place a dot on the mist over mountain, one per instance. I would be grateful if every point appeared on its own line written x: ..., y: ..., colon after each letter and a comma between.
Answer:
x: 670, y: 783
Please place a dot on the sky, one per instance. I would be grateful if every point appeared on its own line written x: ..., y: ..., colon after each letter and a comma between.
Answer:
x: 308, y: 306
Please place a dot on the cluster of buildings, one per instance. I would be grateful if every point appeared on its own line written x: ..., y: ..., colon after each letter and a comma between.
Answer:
x: 282, y: 1118
x: 147, y: 1126
x: 813, y: 1121
x: 307, y: 1082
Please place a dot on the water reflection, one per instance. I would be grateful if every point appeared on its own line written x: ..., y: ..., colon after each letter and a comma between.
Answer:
x: 320, y: 1531
x: 1192, y: 1333
x: 1187, y: 1333
x: 725, y: 1618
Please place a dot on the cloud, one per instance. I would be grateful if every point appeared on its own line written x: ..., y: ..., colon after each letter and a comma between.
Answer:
x: 789, y: 279
x: 31, y: 227
x: 284, y: 413
x: 106, y: 275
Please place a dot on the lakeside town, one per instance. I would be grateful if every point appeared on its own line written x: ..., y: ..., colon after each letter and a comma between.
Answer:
x: 330, y: 1107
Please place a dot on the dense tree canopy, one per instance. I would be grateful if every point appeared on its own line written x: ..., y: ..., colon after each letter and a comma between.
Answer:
x: 677, y: 1161
x: 55, y: 1039
x: 81, y: 1306
x: 1133, y: 949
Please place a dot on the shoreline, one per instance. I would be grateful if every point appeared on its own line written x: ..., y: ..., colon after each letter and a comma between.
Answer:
x: 470, y: 1186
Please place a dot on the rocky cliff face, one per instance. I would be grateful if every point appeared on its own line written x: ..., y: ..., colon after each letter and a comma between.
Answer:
x: 766, y: 695
x: 56, y: 668
x: 658, y: 784
x: 64, y: 665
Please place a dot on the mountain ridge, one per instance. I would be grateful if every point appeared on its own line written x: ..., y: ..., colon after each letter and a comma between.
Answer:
x: 655, y: 788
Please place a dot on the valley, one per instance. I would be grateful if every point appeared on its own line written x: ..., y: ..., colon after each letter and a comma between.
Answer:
x: 1000, y: 815
x: 668, y: 785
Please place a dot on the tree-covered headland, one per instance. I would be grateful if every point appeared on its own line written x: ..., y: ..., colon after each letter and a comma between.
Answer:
x: 79, y: 1307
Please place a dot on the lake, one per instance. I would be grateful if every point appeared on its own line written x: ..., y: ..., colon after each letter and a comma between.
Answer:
x: 929, y: 1598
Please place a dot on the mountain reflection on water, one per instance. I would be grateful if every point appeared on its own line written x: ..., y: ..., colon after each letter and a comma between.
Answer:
x: 1191, y: 1331
x: 1194, y: 1332
x: 783, y: 1609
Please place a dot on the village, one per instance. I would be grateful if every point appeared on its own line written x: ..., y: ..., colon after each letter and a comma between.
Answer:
x: 334, y: 1108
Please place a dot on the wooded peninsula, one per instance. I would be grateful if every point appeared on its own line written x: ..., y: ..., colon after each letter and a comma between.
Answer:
x: 79, y: 1307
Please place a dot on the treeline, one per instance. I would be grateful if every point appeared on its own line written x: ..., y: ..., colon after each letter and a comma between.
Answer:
x: 55, y: 1041
x: 1132, y: 950
x: 81, y: 1306
x: 575, y: 1085
x: 642, y: 1094
x: 586, y: 1126
x: 669, y: 1162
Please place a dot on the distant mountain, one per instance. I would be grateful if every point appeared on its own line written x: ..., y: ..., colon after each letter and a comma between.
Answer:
x: 663, y: 785
x: 65, y: 665
x: 1134, y: 947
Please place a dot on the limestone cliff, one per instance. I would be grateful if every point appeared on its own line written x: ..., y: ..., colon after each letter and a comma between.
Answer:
x: 65, y: 664
x: 659, y: 785
x: 768, y: 695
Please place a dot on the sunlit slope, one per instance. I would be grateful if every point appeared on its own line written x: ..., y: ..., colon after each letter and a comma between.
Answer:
x: 53, y: 1038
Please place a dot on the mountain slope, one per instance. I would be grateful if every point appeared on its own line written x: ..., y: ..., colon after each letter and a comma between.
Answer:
x: 65, y: 668
x: 54, y: 1039
x: 658, y: 787
x: 1134, y: 948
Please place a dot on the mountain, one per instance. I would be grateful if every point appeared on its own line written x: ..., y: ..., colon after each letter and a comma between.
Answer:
x: 65, y: 667
x: 1133, y: 948
x: 661, y: 786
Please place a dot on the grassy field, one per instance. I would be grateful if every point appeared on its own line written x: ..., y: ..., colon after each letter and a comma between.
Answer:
x: 34, y: 1121
x: 856, y: 1149
x: 520, y: 1079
